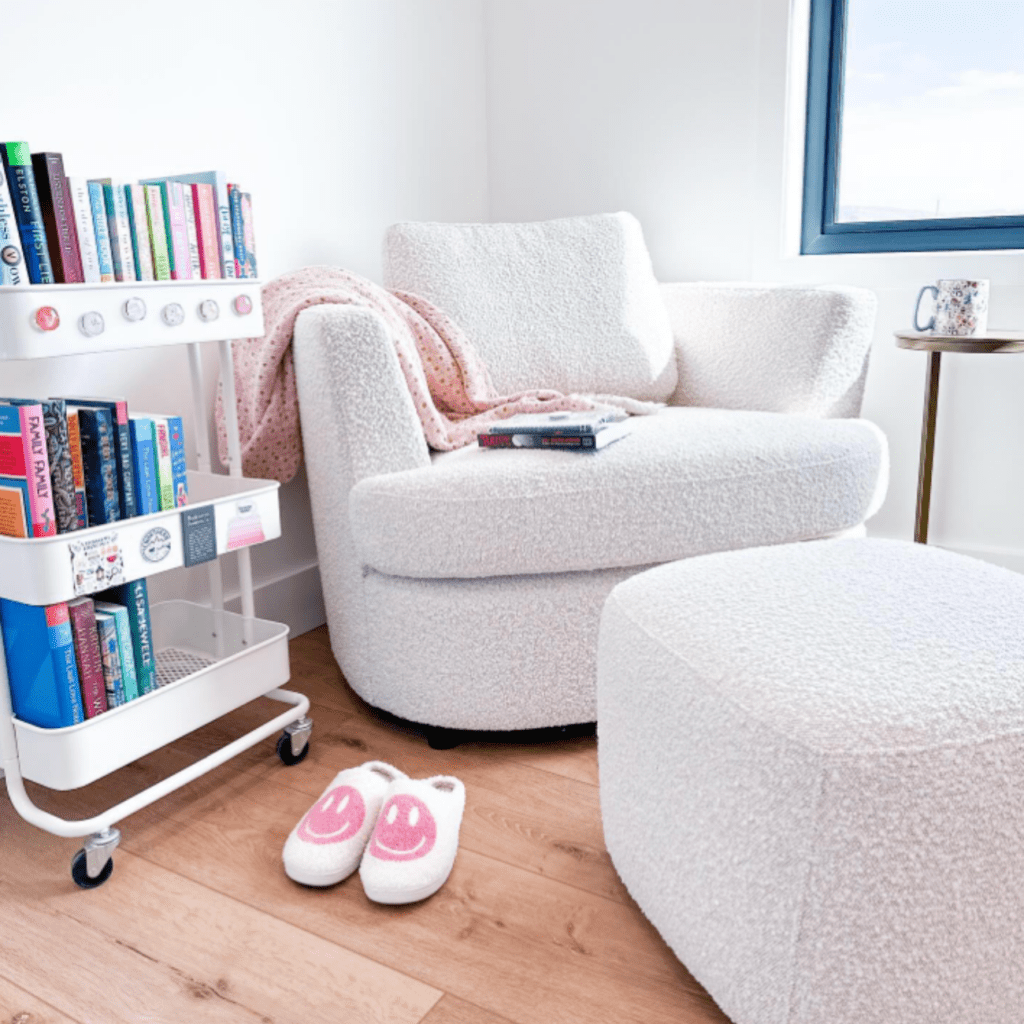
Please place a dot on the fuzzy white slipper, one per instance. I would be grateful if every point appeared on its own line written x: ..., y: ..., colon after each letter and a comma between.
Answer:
x: 412, y: 850
x: 325, y: 846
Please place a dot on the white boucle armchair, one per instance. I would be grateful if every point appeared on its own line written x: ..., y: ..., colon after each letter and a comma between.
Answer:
x: 463, y: 589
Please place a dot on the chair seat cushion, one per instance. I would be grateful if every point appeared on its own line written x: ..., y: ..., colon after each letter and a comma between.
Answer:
x: 683, y: 482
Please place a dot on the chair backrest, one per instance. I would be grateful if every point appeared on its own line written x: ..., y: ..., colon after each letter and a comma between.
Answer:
x: 569, y: 304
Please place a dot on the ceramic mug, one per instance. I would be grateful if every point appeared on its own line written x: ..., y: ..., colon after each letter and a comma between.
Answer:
x: 961, y: 308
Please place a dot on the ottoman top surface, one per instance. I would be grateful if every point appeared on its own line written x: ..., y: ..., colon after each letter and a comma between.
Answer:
x: 846, y: 645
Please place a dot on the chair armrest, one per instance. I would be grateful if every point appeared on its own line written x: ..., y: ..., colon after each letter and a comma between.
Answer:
x: 773, y: 348
x: 358, y: 418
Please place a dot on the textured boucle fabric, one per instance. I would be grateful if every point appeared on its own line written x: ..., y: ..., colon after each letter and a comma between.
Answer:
x: 811, y: 761
x: 771, y: 347
x: 682, y: 482
x: 571, y: 304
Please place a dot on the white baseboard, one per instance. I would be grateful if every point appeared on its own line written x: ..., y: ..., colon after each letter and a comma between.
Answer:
x: 295, y: 598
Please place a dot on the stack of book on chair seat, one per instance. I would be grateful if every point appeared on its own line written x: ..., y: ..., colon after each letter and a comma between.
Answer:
x: 575, y: 431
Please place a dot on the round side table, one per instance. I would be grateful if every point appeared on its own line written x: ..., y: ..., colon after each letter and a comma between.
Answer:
x: 935, y: 345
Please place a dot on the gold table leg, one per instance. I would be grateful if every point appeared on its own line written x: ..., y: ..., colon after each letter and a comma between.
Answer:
x: 924, y: 476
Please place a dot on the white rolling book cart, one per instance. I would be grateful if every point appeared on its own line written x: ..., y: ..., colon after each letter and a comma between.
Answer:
x: 209, y: 661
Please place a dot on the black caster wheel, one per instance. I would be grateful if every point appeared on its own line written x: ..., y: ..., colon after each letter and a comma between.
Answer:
x: 81, y: 875
x: 439, y: 738
x: 284, y: 751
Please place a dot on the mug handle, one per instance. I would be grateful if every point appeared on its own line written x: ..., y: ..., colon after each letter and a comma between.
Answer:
x: 917, y: 308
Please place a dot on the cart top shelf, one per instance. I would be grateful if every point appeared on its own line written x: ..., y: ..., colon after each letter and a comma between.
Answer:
x: 43, y: 321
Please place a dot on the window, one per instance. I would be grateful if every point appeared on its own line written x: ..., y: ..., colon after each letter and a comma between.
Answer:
x: 915, y: 126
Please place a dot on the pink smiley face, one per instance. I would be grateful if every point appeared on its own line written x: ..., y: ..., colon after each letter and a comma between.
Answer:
x: 335, y: 817
x: 405, y: 830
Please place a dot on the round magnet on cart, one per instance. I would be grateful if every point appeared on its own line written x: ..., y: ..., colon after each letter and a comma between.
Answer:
x: 173, y: 314
x: 243, y: 305
x: 47, y: 318
x: 134, y: 309
x: 208, y: 310
x: 91, y: 324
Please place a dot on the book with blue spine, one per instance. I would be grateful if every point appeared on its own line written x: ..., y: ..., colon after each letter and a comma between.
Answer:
x: 135, y: 597
x: 115, y: 202
x: 99, y: 459
x: 17, y: 161
x: 41, y: 667
x: 126, y: 489
x: 12, y: 258
x: 101, y: 229
x: 237, y: 229
x: 140, y: 429
x: 125, y: 647
x: 179, y: 464
x: 106, y: 632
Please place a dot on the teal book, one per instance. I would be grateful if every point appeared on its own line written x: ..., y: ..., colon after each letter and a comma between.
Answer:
x: 125, y: 647
x: 106, y: 630
x: 135, y: 597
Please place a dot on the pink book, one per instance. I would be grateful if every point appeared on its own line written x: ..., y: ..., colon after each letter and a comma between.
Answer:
x: 207, y: 230
x: 37, y: 471
x: 82, y: 613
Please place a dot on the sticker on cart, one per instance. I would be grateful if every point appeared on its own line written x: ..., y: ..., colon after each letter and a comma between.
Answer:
x: 156, y: 544
x: 96, y: 564
x: 199, y: 534
x: 245, y: 526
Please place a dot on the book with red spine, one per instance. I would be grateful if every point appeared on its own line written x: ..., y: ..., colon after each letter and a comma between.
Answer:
x: 82, y: 613
x: 58, y: 217
x: 207, y: 230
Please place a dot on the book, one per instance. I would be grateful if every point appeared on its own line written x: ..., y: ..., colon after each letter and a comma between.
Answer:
x: 581, y: 442
x: 12, y: 258
x: 157, y: 224
x: 106, y: 634
x: 556, y: 423
x: 237, y: 229
x: 41, y: 668
x: 190, y: 230
x: 99, y: 458
x: 17, y: 163
x: 115, y: 202
x: 87, y: 656
x: 24, y: 456
x: 179, y: 464
x: 77, y: 468
x: 172, y: 202
x: 125, y: 648
x: 58, y: 452
x: 104, y: 253
x: 126, y: 489
x: 249, y: 233
x: 140, y: 431
x: 135, y: 597
x: 138, y: 225
x: 81, y: 209
x: 204, y: 206
x: 15, y: 507
x: 164, y: 472
x: 59, y: 218
x: 219, y: 184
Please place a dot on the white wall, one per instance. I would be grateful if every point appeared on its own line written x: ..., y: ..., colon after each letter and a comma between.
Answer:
x: 339, y: 116
x: 676, y: 110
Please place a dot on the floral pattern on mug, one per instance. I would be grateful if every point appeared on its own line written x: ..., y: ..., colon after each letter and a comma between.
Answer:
x: 961, y: 308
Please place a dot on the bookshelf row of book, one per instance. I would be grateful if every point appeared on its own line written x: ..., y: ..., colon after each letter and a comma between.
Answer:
x: 67, y: 464
x: 56, y: 229
x: 75, y: 660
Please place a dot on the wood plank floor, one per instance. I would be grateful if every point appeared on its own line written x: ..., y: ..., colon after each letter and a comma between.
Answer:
x: 199, y: 921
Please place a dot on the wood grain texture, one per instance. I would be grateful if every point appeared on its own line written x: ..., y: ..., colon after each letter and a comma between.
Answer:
x: 199, y: 920
x: 18, y: 1007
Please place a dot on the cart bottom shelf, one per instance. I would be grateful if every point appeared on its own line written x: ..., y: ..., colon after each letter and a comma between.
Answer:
x: 208, y: 663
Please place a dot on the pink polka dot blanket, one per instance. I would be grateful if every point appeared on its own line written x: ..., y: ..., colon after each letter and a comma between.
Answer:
x: 448, y: 381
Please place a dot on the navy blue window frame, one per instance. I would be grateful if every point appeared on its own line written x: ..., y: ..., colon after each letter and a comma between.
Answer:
x: 821, y: 232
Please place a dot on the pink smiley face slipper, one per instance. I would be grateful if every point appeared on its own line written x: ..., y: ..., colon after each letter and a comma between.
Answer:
x: 412, y: 849
x: 325, y: 846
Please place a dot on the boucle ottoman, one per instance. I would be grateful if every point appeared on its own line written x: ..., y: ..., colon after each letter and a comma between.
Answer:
x: 812, y: 778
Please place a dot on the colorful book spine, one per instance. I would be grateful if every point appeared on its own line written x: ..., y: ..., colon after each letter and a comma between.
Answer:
x: 219, y: 183
x: 113, y: 684
x: 125, y: 648
x: 190, y: 230
x: 179, y: 462
x: 164, y: 472
x: 37, y: 469
x: 15, y: 507
x: 175, y: 226
x: 140, y: 430
x: 12, y: 258
x: 17, y: 163
x: 237, y: 229
x: 99, y: 456
x: 41, y: 668
x: 204, y: 206
x: 58, y: 217
x: 77, y: 468
x: 249, y: 233
x: 87, y: 654
x: 81, y: 209
x: 157, y: 232
x: 115, y: 202
x: 127, y: 493
x: 101, y: 231
x: 138, y: 224
x: 135, y: 597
